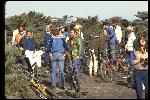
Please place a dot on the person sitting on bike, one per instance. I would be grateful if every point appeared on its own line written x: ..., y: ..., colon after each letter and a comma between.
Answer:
x: 117, y: 29
x: 28, y: 43
x: 75, y: 45
x: 56, y: 47
x: 140, y: 73
x: 111, y: 42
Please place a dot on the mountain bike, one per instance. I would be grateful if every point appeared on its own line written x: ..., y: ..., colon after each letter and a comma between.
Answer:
x: 72, y: 75
x: 107, y: 70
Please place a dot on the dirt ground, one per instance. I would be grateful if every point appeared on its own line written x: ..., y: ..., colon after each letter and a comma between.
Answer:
x: 92, y: 88
x: 101, y: 89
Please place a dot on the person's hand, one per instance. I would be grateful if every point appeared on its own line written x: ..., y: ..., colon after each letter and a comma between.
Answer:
x: 77, y: 57
x: 50, y: 55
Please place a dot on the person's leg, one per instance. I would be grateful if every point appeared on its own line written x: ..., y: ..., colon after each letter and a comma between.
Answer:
x: 77, y: 65
x: 90, y: 67
x: 53, y: 73
x: 26, y: 61
x: 131, y: 58
x: 113, y: 53
x: 46, y: 59
x: 138, y: 84
x: 145, y: 82
x: 61, y: 66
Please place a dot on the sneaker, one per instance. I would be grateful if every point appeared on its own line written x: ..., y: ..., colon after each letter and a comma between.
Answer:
x: 63, y: 88
x: 55, y: 89
x: 125, y: 77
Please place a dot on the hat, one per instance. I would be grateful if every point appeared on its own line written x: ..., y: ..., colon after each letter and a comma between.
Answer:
x: 61, y: 27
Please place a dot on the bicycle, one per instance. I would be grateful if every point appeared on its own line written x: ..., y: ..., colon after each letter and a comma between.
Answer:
x: 40, y: 88
x: 72, y: 75
x: 107, y: 70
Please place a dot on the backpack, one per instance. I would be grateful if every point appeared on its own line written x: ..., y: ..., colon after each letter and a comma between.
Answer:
x: 18, y: 38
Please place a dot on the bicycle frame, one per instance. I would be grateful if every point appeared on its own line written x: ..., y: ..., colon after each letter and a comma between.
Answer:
x: 72, y: 74
x: 40, y: 87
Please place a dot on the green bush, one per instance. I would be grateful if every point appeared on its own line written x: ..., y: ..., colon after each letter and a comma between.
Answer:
x: 11, y: 56
x: 17, y: 84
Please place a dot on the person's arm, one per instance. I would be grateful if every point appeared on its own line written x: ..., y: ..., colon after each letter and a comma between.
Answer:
x: 49, y: 45
x: 79, y: 46
x: 136, y: 61
x: 66, y: 46
x: 120, y: 34
x: 110, y: 32
x: 15, y: 32
x: 22, y: 43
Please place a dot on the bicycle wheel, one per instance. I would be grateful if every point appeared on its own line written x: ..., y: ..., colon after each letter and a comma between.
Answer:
x: 130, y: 81
x: 106, y: 72
x: 74, y: 81
x: 38, y: 92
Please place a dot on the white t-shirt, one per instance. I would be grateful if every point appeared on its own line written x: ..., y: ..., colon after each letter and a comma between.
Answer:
x: 118, y: 33
x: 131, y: 38
x: 34, y: 57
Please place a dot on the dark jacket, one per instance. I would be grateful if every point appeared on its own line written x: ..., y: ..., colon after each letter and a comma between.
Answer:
x: 47, y: 37
x: 28, y: 44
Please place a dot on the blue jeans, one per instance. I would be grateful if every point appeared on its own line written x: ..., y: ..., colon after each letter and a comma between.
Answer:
x: 77, y: 64
x: 139, y: 77
x: 112, y: 52
x: 57, y: 61
x: 46, y: 58
x: 131, y: 58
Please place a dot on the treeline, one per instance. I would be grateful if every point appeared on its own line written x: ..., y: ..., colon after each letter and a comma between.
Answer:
x: 91, y: 25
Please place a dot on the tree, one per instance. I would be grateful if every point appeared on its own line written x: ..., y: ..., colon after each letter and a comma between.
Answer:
x: 142, y: 15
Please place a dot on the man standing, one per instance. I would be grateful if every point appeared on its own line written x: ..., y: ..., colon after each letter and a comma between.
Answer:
x: 56, y: 47
x: 129, y: 47
x: 47, y: 38
x: 18, y: 34
x: 75, y: 45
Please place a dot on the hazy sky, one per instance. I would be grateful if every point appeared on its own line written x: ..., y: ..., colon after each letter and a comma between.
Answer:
x: 104, y: 9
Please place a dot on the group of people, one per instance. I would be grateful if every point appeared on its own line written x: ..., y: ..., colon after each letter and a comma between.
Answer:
x: 135, y: 50
x: 59, y: 40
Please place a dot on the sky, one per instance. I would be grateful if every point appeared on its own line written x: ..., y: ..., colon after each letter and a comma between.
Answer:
x: 104, y: 9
